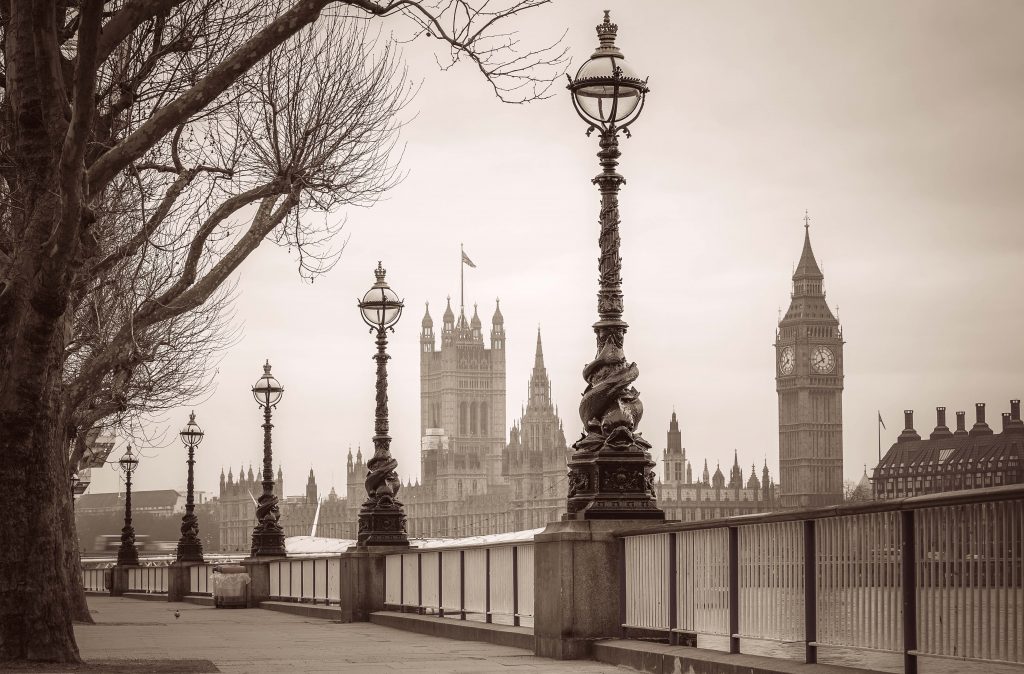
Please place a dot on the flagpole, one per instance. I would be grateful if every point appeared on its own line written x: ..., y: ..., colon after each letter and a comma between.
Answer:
x: 462, y: 280
x: 879, y: 437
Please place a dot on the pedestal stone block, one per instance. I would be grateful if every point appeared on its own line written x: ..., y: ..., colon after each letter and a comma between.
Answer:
x: 119, y: 580
x: 577, y: 586
x: 259, y: 580
x: 362, y: 582
x: 178, y: 580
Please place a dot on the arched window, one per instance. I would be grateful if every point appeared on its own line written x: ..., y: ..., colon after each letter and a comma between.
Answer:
x: 473, y: 419
x: 483, y: 419
x: 463, y: 420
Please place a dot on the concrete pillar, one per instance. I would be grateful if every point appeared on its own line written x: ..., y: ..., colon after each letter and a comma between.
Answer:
x: 362, y: 582
x: 119, y: 580
x: 259, y: 580
x: 178, y: 580
x: 577, y: 586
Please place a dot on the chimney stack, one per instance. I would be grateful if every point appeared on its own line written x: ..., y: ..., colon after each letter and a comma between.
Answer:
x: 1006, y: 421
x: 1014, y: 423
x: 941, y: 429
x: 961, y: 424
x: 908, y: 432
x: 980, y: 427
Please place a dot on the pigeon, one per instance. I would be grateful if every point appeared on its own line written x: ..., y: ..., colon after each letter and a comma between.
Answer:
x: 177, y: 614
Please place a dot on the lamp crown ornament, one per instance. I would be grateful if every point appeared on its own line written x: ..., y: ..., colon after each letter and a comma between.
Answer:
x: 606, y: 32
x: 380, y: 272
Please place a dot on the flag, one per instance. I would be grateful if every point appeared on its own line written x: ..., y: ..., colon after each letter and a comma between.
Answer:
x: 880, y: 420
x: 466, y: 260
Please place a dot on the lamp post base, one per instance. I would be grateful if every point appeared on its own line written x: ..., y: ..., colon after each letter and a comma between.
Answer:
x: 382, y: 525
x: 612, y: 484
x: 190, y: 551
x: 127, y: 555
x: 267, y: 543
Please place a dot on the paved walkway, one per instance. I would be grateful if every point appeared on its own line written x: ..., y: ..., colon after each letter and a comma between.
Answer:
x: 254, y: 640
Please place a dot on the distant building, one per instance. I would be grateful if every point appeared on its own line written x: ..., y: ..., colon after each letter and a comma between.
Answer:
x: 236, y: 508
x: 953, y: 460
x: 709, y: 496
x: 157, y: 502
x: 809, y: 382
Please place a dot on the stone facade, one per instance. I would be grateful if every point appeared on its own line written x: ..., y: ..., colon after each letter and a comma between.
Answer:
x: 709, y: 496
x: 952, y: 460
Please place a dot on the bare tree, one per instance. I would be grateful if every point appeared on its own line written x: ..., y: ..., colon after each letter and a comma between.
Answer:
x: 147, y: 149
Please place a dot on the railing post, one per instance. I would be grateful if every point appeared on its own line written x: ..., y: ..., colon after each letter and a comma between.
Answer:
x: 621, y: 545
x: 515, y: 585
x: 440, y: 584
x: 487, y: 585
x: 673, y: 623
x: 810, y: 594
x: 462, y: 584
x: 734, y: 590
x: 401, y: 583
x: 909, y: 568
x: 419, y: 583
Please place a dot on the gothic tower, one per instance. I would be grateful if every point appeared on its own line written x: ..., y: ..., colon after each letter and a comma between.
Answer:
x: 462, y: 391
x: 809, y: 382
x: 676, y: 470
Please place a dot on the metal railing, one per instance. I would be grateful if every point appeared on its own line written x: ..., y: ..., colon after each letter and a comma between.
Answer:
x: 486, y: 582
x: 150, y: 579
x: 939, y: 575
x: 94, y: 577
x: 200, y: 579
x: 315, y: 580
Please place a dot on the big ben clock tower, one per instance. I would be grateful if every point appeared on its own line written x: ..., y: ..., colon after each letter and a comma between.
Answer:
x: 809, y: 381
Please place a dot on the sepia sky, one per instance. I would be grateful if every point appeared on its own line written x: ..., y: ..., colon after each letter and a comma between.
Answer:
x: 898, y: 126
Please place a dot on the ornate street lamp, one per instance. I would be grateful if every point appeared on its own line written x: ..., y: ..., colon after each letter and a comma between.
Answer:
x: 127, y: 555
x: 268, y: 535
x: 190, y: 548
x: 610, y: 474
x: 381, y: 517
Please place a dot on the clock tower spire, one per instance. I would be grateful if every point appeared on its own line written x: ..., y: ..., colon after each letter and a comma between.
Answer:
x: 809, y: 383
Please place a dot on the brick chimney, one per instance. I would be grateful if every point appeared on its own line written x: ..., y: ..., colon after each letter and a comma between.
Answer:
x: 961, y: 424
x: 980, y: 427
x: 1006, y: 421
x: 1014, y: 424
x: 941, y: 429
x: 908, y: 432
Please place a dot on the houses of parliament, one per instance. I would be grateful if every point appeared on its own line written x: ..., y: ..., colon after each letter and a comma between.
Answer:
x: 475, y: 480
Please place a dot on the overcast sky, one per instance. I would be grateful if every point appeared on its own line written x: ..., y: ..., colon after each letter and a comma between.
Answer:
x: 898, y: 126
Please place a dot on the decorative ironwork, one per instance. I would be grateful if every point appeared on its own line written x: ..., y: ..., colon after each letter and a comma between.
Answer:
x: 610, y: 473
x: 190, y: 548
x: 268, y: 534
x: 382, y: 519
x: 127, y: 554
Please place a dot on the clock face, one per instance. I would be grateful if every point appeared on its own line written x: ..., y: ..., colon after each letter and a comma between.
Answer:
x: 787, y: 360
x: 823, y: 360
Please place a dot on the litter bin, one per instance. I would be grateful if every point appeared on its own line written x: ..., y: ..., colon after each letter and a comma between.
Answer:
x: 230, y: 586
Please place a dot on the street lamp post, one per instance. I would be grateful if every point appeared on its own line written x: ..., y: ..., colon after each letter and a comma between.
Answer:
x: 268, y: 535
x: 610, y: 474
x: 190, y: 548
x: 381, y: 518
x: 127, y: 555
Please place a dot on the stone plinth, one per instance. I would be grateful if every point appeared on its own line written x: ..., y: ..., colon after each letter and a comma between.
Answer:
x: 577, y: 585
x: 362, y: 582
x: 119, y: 580
x: 178, y: 580
x: 259, y: 579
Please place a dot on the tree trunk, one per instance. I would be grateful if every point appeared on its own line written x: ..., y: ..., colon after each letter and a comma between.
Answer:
x: 79, y: 605
x: 35, y: 594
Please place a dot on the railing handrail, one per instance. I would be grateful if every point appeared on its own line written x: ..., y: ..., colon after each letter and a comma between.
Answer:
x: 951, y: 498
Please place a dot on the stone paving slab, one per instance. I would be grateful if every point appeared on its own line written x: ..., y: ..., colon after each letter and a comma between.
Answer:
x: 245, y: 641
